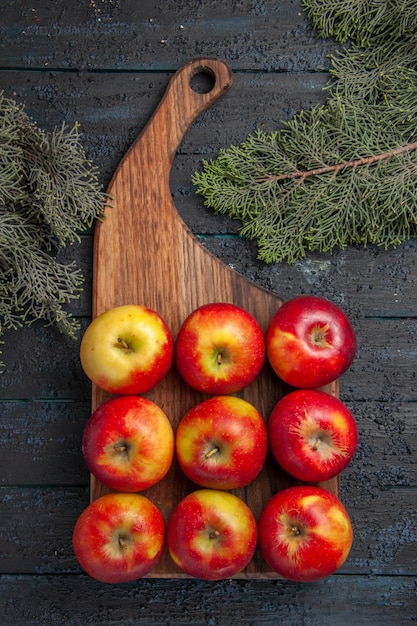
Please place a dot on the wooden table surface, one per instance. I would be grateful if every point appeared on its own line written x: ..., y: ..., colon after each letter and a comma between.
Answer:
x: 106, y: 64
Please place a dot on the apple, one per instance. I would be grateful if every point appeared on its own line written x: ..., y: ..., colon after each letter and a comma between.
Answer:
x: 310, y: 342
x: 128, y: 443
x: 127, y: 349
x: 305, y: 533
x: 312, y: 435
x: 211, y: 534
x: 220, y: 348
x: 119, y: 537
x: 222, y: 443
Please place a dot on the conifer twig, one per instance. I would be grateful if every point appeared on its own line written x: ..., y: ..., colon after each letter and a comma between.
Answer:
x: 341, y: 173
x: 326, y: 169
x: 49, y: 194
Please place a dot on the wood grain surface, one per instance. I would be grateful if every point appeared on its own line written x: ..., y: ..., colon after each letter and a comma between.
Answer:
x: 144, y: 254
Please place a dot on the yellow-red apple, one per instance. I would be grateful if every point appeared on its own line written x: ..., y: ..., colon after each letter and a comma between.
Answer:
x: 222, y: 443
x: 119, y: 537
x: 128, y: 443
x: 310, y: 342
x: 127, y: 349
x: 312, y: 435
x: 211, y: 534
x: 220, y: 348
x: 305, y: 533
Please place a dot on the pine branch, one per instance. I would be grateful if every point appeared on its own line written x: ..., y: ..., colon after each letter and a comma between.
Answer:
x: 340, y: 173
x: 335, y: 175
x: 363, y: 73
x: 34, y: 285
x: 49, y: 194
x: 62, y: 183
x: 365, y: 23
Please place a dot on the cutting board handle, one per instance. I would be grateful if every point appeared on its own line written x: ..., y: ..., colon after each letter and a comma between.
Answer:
x: 178, y: 109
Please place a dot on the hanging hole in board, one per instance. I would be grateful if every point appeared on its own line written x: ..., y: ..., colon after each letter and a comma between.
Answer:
x: 203, y: 80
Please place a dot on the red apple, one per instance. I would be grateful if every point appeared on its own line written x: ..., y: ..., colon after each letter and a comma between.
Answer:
x: 312, y: 435
x: 119, y: 537
x: 128, y: 443
x: 310, y: 342
x: 305, y: 533
x: 127, y: 349
x: 211, y: 534
x: 222, y: 443
x: 220, y: 348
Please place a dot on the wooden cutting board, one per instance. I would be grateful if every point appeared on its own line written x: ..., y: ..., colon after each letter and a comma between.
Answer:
x: 145, y: 254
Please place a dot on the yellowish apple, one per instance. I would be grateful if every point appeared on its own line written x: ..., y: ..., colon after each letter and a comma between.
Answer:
x: 127, y: 349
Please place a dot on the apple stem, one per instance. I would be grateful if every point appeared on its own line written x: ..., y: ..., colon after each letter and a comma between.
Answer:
x: 317, y: 444
x: 120, y: 447
x: 219, y: 358
x: 123, y: 543
x: 211, y: 453
x: 295, y: 531
x: 214, y: 534
x: 122, y: 343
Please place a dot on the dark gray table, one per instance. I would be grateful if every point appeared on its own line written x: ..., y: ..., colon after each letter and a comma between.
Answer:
x: 106, y: 64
